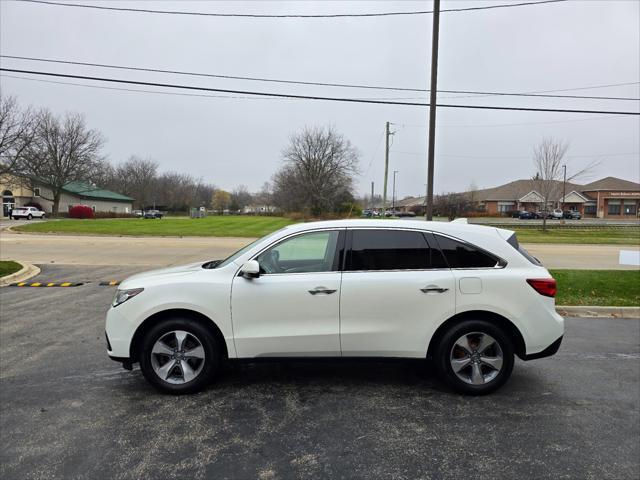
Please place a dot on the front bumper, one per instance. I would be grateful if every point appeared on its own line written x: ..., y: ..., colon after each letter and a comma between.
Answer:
x: 547, y: 352
x: 125, y: 361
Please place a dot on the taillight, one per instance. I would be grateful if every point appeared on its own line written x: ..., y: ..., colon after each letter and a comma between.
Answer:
x: 544, y: 286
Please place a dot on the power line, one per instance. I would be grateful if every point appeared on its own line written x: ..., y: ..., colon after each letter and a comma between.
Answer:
x: 137, y: 90
x: 180, y: 94
x: 518, y: 124
x: 310, y: 97
x: 598, y: 155
x: 326, y: 84
x: 256, y: 15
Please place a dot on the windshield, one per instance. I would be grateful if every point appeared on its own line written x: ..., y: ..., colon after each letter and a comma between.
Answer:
x: 243, y: 250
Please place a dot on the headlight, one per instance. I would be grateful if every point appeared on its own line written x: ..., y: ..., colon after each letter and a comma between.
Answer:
x: 122, y: 296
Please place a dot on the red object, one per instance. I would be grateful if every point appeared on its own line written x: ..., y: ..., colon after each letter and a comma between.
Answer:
x: 544, y: 286
x: 81, y: 211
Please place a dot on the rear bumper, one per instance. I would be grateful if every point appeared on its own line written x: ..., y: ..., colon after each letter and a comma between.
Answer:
x: 547, y: 352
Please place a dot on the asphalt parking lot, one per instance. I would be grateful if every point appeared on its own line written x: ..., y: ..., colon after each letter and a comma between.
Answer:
x: 69, y: 412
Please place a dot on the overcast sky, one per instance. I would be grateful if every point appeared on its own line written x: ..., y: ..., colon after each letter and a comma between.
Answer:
x: 232, y: 141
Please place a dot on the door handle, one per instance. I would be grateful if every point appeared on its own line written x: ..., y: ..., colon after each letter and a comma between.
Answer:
x: 325, y: 290
x: 433, y: 288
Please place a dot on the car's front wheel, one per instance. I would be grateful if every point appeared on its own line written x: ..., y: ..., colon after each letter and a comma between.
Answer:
x: 29, y: 217
x: 179, y: 355
x: 474, y: 357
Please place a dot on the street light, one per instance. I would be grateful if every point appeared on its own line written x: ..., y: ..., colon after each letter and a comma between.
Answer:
x: 393, y: 202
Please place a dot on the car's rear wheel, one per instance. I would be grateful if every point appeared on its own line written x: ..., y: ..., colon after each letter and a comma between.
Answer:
x: 474, y: 357
x: 29, y: 217
x: 179, y: 355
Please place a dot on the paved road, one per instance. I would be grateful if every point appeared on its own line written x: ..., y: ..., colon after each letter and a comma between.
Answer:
x: 69, y: 412
x: 161, y: 251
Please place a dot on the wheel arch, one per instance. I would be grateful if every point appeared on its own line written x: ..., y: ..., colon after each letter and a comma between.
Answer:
x: 149, y: 322
x: 504, y: 323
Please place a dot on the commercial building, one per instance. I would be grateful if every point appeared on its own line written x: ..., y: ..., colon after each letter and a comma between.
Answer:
x: 19, y: 193
x: 609, y: 197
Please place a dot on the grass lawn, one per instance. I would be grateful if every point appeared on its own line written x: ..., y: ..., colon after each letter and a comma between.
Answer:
x: 224, y: 226
x: 620, y: 288
x: 606, y: 235
x: 7, y: 267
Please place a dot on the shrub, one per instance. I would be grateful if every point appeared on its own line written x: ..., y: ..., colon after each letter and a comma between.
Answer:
x: 113, y: 215
x: 81, y: 211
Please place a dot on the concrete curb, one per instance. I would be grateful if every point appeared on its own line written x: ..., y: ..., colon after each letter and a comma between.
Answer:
x: 27, y: 271
x: 592, y: 311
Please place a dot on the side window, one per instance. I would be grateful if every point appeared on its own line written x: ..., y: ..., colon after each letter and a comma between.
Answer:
x: 462, y: 255
x: 388, y: 250
x: 306, y: 253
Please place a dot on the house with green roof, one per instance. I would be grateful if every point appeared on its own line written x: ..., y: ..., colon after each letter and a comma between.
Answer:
x: 17, y: 193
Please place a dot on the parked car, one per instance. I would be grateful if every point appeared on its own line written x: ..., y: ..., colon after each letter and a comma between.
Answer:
x: 367, y: 213
x: 26, y: 212
x: 405, y: 214
x: 572, y: 215
x: 152, y: 214
x: 557, y: 214
x: 525, y: 215
x: 138, y: 213
x: 465, y: 296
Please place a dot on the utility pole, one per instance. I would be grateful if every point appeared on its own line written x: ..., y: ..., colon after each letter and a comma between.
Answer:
x: 426, y: 191
x: 393, y: 204
x: 564, y: 186
x: 386, y: 169
x: 372, y: 201
x: 432, y: 106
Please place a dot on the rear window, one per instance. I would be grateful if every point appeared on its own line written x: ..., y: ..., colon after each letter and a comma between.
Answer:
x: 513, y: 241
x: 463, y: 255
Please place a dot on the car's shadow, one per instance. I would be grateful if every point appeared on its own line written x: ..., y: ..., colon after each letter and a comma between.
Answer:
x: 344, y: 374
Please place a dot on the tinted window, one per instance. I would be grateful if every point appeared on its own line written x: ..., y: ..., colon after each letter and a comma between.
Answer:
x: 513, y: 241
x: 462, y: 255
x: 389, y: 250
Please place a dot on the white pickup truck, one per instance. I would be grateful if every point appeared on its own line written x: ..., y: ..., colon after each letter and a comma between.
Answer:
x: 26, y: 212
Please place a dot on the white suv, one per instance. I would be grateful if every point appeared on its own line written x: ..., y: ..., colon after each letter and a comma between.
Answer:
x: 465, y: 296
x: 26, y: 212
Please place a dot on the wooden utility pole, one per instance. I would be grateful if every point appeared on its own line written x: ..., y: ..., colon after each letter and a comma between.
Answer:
x: 386, y: 170
x: 432, y: 106
x: 372, y: 206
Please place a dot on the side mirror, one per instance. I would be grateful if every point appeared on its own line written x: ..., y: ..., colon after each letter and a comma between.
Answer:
x: 250, y: 269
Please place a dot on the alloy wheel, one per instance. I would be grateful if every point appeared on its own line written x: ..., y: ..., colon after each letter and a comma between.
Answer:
x: 476, y: 358
x: 177, y: 357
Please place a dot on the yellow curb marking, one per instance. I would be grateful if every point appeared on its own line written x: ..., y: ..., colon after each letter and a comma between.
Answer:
x: 37, y: 284
x: 65, y: 284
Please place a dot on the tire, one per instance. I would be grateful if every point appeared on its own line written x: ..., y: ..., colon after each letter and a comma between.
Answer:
x: 471, y: 360
x: 42, y: 217
x: 29, y: 217
x: 203, y: 365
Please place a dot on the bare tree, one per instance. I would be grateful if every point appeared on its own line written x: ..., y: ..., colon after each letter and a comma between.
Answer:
x: 548, y: 158
x: 317, y: 174
x: 63, y: 150
x: 137, y: 178
x: 240, y: 198
x: 452, y: 205
x: 17, y: 131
